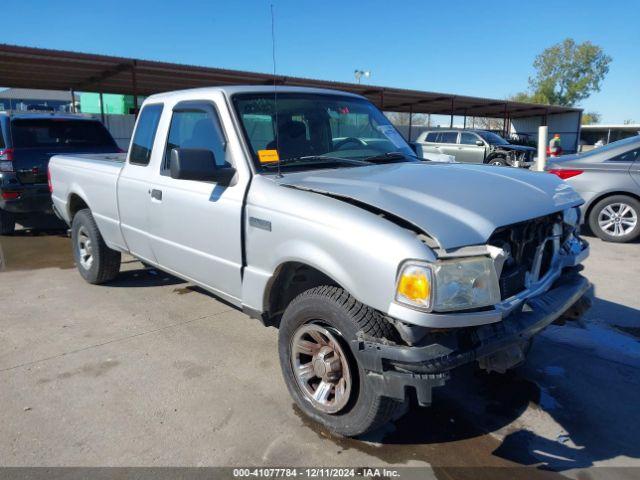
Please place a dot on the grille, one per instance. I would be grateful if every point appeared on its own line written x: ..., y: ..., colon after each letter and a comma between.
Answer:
x: 520, y: 242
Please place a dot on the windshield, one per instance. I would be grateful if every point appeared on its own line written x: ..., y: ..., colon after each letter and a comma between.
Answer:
x: 60, y: 133
x: 318, y: 131
x: 492, y: 138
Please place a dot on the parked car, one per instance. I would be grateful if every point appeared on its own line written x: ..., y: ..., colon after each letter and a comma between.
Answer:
x: 476, y: 146
x: 382, y: 272
x: 27, y: 141
x: 608, y: 179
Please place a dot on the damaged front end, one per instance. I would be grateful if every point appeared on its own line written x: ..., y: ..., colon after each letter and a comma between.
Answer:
x: 538, y: 268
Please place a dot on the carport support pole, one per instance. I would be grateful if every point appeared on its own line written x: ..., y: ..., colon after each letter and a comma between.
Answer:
x: 134, y: 84
x: 101, y: 109
x: 410, y: 120
x: 451, y: 120
x: 543, y: 134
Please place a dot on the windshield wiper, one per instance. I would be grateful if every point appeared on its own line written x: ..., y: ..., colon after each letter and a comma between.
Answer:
x: 388, y: 157
x: 314, y: 159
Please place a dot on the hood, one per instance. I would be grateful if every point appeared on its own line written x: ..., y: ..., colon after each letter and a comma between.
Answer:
x: 457, y: 204
x: 517, y: 148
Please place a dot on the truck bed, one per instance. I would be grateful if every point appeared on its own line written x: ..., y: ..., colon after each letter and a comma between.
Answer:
x: 93, y: 178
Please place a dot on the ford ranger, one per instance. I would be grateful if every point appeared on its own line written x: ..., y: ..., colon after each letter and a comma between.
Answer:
x: 309, y: 211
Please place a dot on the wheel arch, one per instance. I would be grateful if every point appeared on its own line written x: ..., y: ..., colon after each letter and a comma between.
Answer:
x: 495, y: 154
x: 290, y: 279
x: 75, y: 203
x: 598, y: 198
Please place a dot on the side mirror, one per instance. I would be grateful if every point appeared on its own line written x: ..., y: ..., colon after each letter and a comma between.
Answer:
x: 480, y: 143
x: 198, y: 164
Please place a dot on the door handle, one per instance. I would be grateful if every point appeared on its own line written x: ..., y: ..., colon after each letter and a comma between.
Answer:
x: 156, y: 194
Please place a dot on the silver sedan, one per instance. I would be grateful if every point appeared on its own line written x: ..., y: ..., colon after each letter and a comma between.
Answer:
x: 608, y: 178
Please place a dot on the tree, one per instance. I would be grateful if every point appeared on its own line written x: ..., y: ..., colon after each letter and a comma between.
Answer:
x: 589, y: 118
x: 629, y: 121
x: 566, y: 73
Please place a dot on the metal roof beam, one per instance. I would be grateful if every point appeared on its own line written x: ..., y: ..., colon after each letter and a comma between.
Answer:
x: 105, y: 75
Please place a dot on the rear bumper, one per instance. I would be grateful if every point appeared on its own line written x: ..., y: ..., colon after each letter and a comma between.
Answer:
x: 496, y: 347
x: 30, y: 198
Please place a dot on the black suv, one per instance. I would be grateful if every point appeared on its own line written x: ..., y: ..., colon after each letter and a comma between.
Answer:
x: 27, y: 142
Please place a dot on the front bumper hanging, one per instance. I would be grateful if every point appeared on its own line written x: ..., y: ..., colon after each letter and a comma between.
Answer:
x: 422, y: 367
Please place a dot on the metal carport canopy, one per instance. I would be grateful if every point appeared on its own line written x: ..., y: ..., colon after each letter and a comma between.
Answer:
x: 29, y: 67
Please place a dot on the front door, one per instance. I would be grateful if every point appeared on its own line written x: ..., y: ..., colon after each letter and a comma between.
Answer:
x: 196, y: 225
x: 468, y: 148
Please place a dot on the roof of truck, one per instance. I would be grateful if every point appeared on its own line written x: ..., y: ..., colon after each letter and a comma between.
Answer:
x: 233, y: 89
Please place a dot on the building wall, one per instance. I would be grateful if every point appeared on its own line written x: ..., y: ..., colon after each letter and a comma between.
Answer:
x: 120, y: 127
x: 567, y: 125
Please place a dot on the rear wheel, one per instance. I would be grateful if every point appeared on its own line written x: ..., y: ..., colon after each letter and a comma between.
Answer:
x: 96, y: 262
x: 319, y: 368
x: 7, y: 223
x: 616, y: 219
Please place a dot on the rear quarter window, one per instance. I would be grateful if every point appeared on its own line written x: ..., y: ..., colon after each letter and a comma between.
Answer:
x: 432, y: 137
x: 630, y: 156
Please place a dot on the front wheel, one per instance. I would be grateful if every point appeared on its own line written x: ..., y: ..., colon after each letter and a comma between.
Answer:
x: 498, y: 161
x: 7, y: 223
x: 96, y: 262
x: 615, y: 219
x: 319, y: 367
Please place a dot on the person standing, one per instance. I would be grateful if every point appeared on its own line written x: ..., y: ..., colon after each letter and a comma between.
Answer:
x: 555, y: 146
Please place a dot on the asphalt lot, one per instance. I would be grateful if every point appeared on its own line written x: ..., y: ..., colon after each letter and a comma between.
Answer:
x: 150, y: 371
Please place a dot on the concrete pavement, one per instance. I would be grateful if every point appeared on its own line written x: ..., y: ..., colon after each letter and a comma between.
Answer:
x: 150, y: 371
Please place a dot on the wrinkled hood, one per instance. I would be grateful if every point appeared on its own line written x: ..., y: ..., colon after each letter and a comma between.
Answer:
x: 456, y: 204
x: 516, y: 148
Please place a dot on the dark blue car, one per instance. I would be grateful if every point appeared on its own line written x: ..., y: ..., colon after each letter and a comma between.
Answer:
x: 27, y: 142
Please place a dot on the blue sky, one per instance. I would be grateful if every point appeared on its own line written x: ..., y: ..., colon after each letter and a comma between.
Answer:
x: 471, y: 48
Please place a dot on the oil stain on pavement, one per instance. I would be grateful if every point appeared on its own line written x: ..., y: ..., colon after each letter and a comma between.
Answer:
x: 35, y: 250
x: 454, y: 441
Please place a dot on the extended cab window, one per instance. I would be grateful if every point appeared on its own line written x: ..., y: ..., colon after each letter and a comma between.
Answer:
x: 194, y: 127
x: 145, y: 134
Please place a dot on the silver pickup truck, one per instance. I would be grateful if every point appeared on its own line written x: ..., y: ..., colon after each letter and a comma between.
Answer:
x: 307, y: 209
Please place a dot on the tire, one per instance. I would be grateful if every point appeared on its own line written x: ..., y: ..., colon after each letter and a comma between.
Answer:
x: 7, y: 223
x: 498, y: 161
x: 625, y: 228
x: 96, y: 262
x: 341, y: 316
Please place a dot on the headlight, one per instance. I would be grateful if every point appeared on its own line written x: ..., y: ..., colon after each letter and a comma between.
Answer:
x: 449, y: 285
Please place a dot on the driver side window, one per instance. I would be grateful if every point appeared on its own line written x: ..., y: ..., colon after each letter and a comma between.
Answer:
x: 195, y: 128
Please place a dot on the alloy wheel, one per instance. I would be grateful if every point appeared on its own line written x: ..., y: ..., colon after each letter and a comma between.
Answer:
x: 85, y: 249
x: 321, y: 367
x: 617, y: 219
